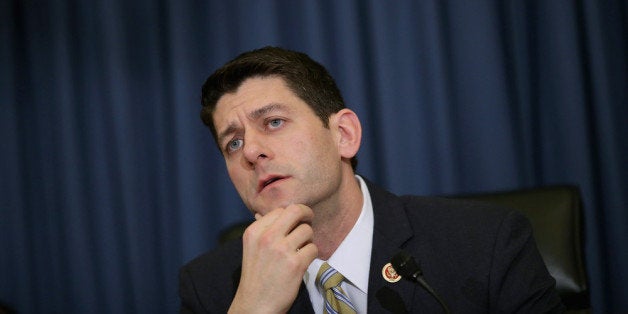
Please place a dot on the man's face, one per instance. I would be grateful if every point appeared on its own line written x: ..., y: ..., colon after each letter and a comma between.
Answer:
x: 276, y: 149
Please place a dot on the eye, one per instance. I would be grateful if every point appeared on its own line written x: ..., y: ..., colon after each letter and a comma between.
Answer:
x: 234, y: 145
x: 275, y: 123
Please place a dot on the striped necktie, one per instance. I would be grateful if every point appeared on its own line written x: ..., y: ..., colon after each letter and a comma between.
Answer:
x: 336, y: 301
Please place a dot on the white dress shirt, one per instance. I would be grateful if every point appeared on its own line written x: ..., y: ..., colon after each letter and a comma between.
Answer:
x: 352, y: 259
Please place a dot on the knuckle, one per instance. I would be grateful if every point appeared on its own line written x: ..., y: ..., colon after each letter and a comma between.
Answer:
x: 266, y: 239
x: 294, y: 264
x: 305, y: 229
x: 249, y: 234
x: 293, y: 209
x: 308, y: 230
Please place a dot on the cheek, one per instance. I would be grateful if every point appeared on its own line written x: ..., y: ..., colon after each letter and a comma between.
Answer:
x: 308, y: 150
x: 322, y: 146
x: 236, y: 177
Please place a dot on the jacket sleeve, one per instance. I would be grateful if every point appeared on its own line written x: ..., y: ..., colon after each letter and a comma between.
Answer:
x: 519, y: 280
x: 189, y: 298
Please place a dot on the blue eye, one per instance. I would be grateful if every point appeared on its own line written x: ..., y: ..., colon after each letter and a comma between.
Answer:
x: 275, y: 123
x: 234, y: 145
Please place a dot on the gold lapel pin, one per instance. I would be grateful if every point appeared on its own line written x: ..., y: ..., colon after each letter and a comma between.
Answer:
x: 389, y: 273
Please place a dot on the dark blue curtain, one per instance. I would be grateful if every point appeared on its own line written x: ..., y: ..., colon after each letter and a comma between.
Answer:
x: 109, y: 182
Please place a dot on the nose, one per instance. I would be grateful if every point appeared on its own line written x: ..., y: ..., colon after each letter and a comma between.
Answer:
x: 255, y: 148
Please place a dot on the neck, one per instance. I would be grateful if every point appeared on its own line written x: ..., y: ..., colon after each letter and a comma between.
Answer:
x: 334, y: 220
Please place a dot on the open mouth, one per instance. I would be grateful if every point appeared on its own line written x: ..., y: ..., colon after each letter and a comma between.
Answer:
x: 269, y: 181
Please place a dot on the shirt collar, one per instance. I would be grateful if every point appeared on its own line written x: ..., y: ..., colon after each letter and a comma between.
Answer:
x: 353, y: 257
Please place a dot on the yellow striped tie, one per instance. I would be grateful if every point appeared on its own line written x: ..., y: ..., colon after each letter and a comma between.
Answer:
x: 336, y: 301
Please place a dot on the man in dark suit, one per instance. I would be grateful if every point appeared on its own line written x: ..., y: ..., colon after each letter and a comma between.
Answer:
x: 289, y: 144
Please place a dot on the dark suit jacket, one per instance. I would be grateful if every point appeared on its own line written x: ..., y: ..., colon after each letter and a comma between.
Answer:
x: 480, y: 259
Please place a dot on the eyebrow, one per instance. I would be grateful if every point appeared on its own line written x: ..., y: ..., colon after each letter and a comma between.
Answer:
x: 253, y: 115
x: 230, y: 129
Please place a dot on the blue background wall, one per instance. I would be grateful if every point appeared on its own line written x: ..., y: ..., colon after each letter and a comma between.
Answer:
x: 109, y: 182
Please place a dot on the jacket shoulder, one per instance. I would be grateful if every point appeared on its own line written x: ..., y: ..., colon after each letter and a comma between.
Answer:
x: 210, y: 280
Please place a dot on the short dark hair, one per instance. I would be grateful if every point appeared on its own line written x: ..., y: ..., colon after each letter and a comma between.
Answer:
x: 305, y: 77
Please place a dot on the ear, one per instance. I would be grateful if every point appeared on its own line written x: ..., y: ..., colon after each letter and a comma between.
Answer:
x: 349, y: 132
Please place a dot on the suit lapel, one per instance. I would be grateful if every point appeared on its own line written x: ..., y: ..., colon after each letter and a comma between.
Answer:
x: 302, y: 303
x: 390, y: 231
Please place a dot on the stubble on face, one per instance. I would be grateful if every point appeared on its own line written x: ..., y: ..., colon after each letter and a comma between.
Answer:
x: 303, y: 151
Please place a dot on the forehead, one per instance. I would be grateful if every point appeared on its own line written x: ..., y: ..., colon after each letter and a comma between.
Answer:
x: 253, y: 95
x: 253, y: 92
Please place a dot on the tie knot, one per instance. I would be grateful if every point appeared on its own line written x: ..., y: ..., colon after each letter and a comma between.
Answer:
x: 328, y: 277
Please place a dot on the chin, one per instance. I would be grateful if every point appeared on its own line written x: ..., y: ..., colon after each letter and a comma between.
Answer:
x: 276, y: 203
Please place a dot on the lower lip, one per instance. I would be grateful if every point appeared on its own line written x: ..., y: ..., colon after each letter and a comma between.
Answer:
x: 273, y: 183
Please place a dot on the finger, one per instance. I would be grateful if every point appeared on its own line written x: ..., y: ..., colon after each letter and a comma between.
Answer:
x: 292, y: 216
x: 263, y: 221
x: 306, y: 211
x: 308, y: 253
x: 300, y: 236
x: 260, y: 226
